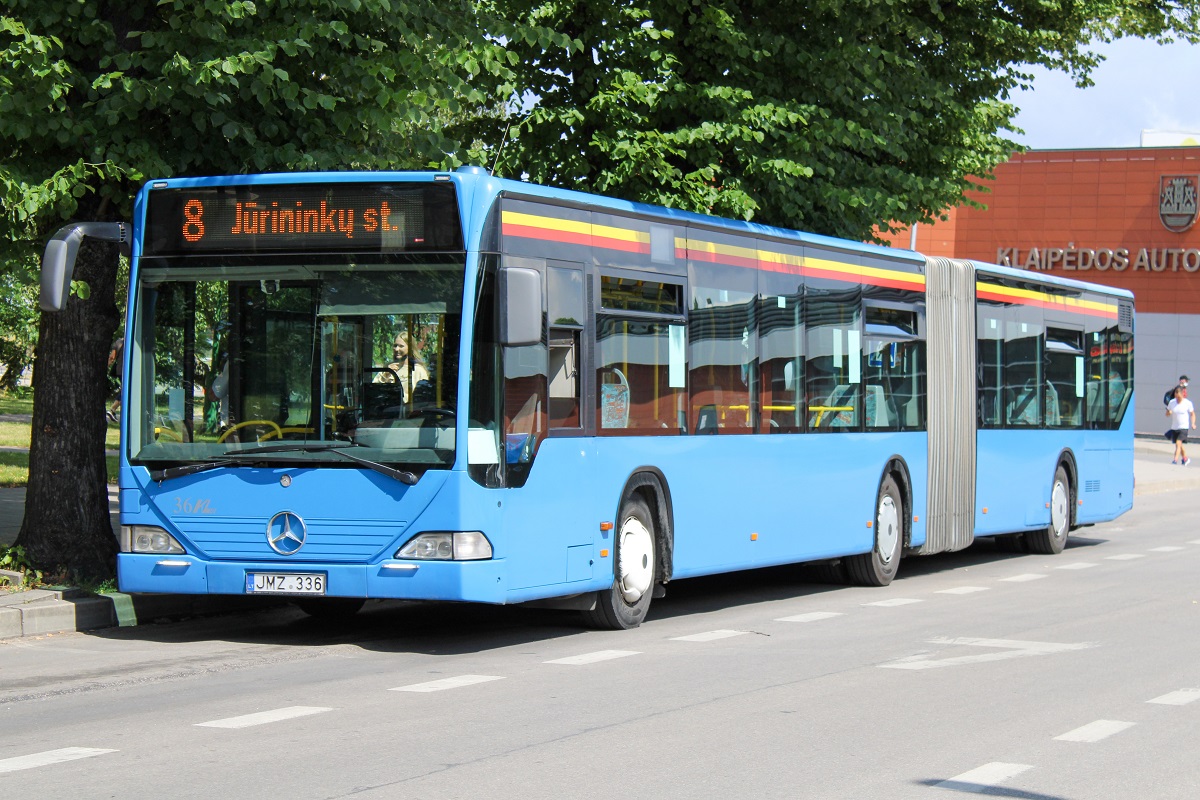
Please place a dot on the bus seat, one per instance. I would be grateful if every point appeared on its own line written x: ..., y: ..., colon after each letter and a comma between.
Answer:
x: 706, y: 419
x: 614, y: 399
x: 843, y: 411
x: 876, y: 408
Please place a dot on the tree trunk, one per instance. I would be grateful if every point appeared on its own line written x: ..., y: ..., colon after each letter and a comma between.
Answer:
x: 67, y: 531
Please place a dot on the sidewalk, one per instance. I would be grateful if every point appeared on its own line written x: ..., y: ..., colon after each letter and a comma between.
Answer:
x: 41, y: 611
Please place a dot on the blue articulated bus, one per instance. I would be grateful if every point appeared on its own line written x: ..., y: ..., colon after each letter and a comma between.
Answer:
x: 449, y: 386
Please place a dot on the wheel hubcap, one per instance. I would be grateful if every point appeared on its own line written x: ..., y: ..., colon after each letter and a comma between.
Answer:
x: 887, y: 529
x: 636, y: 556
x: 1058, y: 509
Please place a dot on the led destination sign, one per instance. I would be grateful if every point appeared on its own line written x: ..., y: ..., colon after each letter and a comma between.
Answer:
x: 303, y: 218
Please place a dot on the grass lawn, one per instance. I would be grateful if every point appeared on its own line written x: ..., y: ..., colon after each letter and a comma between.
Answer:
x: 15, y: 405
x: 14, y: 467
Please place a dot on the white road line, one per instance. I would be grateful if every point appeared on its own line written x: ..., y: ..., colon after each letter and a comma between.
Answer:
x: 264, y: 717
x: 1194, y: 541
x: 592, y: 658
x: 962, y: 590
x: 1077, y: 565
x: 811, y: 616
x: 710, y: 636
x: 1125, y: 557
x: 1007, y: 649
x: 1095, y: 731
x: 1179, y: 698
x: 1028, y: 576
x: 895, y: 601
x: 1167, y: 549
x: 49, y: 757
x: 447, y: 683
x: 985, y: 778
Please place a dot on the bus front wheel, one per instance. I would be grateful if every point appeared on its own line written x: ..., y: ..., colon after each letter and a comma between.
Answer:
x: 623, y: 605
x: 1052, y: 539
x: 878, y: 567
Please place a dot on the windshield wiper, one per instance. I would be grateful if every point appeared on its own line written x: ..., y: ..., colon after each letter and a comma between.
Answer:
x: 160, y: 475
x: 240, y: 458
x: 401, y: 475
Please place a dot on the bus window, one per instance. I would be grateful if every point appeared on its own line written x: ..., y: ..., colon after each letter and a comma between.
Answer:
x: 565, y: 306
x: 1065, y: 378
x: 834, y: 366
x: 1119, y: 382
x: 1023, y: 377
x: 640, y: 358
x: 781, y: 348
x: 721, y: 349
x: 893, y: 369
x: 990, y: 361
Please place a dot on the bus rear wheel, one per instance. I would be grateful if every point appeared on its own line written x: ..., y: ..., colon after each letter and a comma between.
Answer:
x: 623, y: 605
x: 1053, y: 538
x: 878, y: 567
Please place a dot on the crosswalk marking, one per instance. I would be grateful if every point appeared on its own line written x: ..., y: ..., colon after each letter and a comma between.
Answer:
x: 710, y: 636
x: 1125, y: 557
x: 983, y: 779
x: 1165, y: 549
x: 1001, y: 650
x: 592, y: 658
x: 264, y: 717
x: 812, y: 616
x: 1178, y: 698
x: 1077, y: 565
x: 1026, y: 577
x: 50, y: 757
x: 1094, y: 731
x: 962, y: 590
x: 895, y: 601
x: 447, y: 683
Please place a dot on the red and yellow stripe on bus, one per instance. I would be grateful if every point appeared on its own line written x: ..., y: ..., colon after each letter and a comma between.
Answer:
x: 1031, y: 297
x: 553, y: 229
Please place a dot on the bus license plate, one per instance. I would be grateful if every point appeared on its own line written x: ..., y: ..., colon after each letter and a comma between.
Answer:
x: 284, y: 583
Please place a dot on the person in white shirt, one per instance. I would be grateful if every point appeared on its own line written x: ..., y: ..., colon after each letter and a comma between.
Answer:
x: 1183, y: 419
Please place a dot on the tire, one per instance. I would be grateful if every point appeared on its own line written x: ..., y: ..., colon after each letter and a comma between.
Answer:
x: 330, y: 609
x: 623, y: 605
x: 878, y: 567
x: 1053, y: 539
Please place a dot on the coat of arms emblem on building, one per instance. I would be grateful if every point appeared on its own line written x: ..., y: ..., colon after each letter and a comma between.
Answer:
x: 1177, y: 196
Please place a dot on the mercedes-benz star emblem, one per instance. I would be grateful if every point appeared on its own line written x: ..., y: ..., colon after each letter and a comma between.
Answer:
x: 286, y: 533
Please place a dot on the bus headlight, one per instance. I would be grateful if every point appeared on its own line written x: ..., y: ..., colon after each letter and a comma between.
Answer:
x: 148, y: 539
x: 447, y: 546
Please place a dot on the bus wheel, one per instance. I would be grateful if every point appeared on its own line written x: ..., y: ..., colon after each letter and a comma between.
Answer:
x: 878, y: 567
x: 624, y: 604
x: 1053, y: 538
x: 330, y: 608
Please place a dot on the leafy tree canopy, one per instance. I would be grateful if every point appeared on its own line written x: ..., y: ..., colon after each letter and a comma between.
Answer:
x: 827, y: 115
x: 97, y: 96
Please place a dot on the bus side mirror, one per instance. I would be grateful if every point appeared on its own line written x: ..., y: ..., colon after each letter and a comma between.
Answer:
x: 520, y: 306
x: 58, y: 262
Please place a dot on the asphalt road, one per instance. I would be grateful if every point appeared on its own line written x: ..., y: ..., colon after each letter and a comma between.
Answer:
x: 1044, y: 677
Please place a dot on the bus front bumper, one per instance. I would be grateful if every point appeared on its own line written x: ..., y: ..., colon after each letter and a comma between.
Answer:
x: 468, y: 581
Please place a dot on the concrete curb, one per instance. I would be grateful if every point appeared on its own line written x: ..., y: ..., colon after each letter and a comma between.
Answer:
x: 44, y: 611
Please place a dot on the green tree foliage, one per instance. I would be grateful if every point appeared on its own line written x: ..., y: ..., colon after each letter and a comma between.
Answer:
x: 18, y: 321
x: 97, y: 96
x: 828, y: 115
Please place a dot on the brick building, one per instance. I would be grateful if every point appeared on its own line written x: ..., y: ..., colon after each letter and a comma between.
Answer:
x: 1122, y: 217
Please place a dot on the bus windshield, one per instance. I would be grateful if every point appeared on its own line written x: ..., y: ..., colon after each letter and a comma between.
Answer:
x: 232, y: 357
